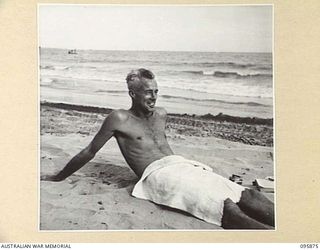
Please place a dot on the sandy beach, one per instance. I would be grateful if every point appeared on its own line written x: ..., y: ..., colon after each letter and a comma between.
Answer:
x: 98, y: 197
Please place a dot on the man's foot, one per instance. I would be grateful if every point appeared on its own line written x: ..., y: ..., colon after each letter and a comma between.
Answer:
x: 234, y: 218
x: 257, y: 206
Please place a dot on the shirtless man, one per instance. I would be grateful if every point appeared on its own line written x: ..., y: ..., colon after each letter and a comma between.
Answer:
x: 140, y: 133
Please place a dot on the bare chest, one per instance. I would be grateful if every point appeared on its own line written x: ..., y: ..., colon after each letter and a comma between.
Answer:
x: 143, y: 133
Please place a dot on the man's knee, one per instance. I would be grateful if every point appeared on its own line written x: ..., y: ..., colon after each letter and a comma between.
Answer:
x: 253, y: 201
x: 252, y: 196
x: 257, y: 206
x: 248, y: 193
x: 229, y: 205
x: 228, y: 211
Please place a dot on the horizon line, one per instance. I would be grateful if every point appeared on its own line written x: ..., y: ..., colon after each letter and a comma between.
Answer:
x: 200, y: 51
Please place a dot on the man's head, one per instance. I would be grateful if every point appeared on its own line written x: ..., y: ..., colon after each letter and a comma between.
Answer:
x: 143, y: 89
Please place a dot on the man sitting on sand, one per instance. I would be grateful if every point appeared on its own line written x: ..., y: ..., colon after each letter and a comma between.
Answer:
x: 166, y: 178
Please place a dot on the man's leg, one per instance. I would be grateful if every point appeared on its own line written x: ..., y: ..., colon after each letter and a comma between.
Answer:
x: 257, y: 206
x: 234, y: 218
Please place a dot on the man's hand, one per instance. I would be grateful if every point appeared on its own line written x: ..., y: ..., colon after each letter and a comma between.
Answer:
x: 50, y: 178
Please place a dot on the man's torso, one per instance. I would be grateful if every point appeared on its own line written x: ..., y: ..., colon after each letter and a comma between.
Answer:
x: 142, y: 140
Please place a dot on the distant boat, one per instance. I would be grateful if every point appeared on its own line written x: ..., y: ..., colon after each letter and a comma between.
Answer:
x: 72, y: 51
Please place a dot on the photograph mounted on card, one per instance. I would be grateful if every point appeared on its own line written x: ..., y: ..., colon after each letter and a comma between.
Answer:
x: 156, y: 117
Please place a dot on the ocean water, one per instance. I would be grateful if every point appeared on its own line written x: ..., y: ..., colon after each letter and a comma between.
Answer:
x: 238, y: 84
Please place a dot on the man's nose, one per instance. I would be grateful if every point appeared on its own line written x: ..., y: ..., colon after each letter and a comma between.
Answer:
x: 153, y: 95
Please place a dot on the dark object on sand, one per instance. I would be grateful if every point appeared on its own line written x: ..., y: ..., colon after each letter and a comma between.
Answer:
x: 72, y: 51
x: 236, y: 178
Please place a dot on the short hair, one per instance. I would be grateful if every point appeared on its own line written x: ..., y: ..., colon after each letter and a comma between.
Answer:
x: 135, y: 76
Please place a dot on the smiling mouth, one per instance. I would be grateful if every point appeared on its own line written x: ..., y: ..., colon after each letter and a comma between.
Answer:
x: 151, y: 104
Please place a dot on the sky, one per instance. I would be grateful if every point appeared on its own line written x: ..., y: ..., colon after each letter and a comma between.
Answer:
x: 246, y: 28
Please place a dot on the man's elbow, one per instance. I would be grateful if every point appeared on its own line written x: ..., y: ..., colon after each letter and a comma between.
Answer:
x: 88, y: 153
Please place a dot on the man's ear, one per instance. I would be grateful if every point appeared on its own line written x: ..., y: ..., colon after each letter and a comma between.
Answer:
x: 131, y: 94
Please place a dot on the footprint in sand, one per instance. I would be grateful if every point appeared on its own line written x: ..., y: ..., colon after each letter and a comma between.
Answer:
x: 113, y: 176
x: 98, y: 178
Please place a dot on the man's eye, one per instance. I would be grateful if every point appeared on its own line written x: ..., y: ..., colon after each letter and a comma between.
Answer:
x: 149, y: 92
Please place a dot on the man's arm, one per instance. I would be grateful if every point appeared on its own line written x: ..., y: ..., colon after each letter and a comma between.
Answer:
x: 105, y: 133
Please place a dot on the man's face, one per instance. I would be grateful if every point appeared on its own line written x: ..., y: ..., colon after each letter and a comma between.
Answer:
x: 146, y: 95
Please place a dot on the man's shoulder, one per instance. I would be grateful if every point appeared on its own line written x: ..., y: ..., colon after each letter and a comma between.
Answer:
x: 119, y: 115
x: 161, y: 111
